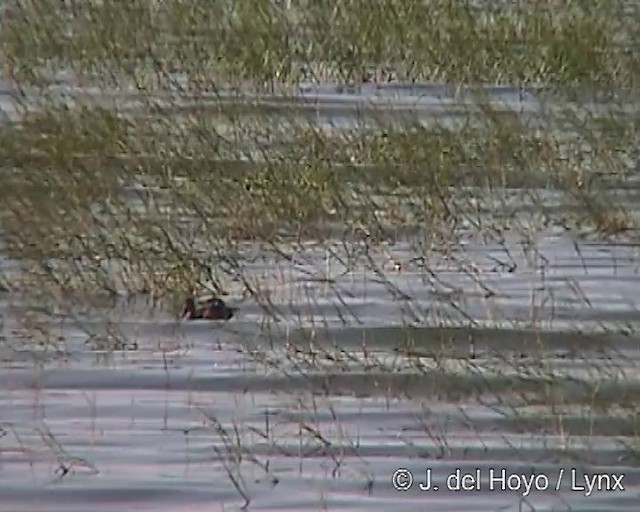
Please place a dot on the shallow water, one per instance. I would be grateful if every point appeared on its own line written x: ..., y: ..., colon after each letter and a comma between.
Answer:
x: 325, y: 104
x: 153, y: 428
x: 172, y: 420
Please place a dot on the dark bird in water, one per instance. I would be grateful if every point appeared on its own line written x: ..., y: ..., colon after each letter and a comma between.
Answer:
x: 211, y: 309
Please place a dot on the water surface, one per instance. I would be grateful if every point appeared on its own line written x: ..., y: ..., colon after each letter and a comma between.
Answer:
x: 406, y: 372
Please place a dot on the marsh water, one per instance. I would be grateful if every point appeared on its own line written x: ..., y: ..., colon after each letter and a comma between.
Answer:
x: 194, y: 416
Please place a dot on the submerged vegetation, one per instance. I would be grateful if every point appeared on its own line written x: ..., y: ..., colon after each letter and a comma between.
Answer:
x: 199, y: 152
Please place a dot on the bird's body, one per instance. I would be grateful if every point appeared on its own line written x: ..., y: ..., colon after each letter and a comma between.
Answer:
x: 209, y: 309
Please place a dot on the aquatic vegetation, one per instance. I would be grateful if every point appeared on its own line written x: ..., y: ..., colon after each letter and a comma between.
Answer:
x: 298, y: 152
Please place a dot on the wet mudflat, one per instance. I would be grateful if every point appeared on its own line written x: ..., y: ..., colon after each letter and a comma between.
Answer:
x: 328, y: 407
